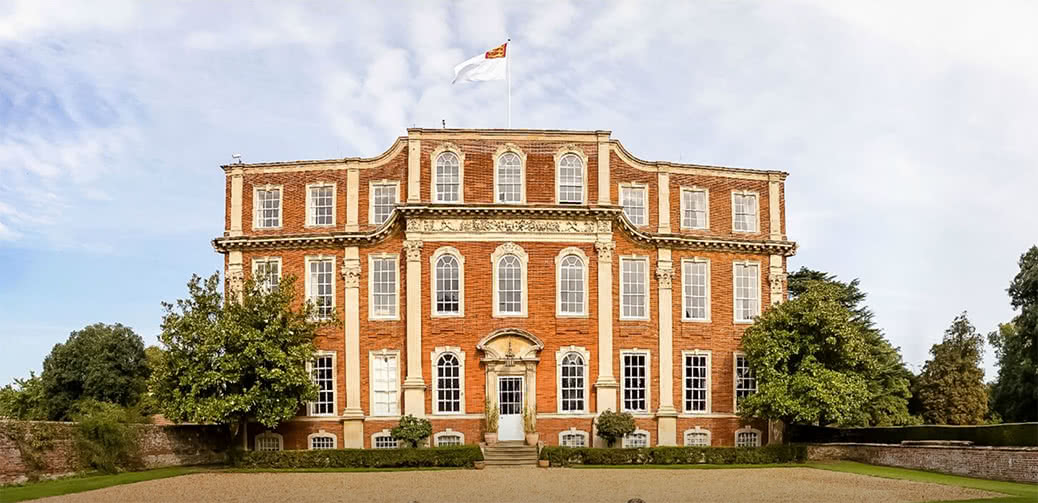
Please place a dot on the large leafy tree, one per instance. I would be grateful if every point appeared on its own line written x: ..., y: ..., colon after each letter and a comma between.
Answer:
x: 951, y: 385
x: 1014, y: 394
x: 101, y: 362
x: 236, y: 361
x: 819, y: 359
x: 24, y: 399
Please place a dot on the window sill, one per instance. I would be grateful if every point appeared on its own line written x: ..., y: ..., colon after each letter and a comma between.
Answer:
x: 453, y: 315
x: 319, y: 226
x: 743, y: 322
x: 745, y: 232
x: 572, y: 316
x: 695, y: 320
x: 506, y: 315
x: 625, y: 318
x: 694, y: 228
x: 383, y: 318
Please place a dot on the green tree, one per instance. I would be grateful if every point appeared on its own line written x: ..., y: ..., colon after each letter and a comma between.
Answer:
x: 23, y: 399
x: 1014, y: 394
x: 100, y: 362
x: 237, y: 361
x: 612, y: 426
x: 819, y: 359
x: 412, y: 429
x: 951, y: 385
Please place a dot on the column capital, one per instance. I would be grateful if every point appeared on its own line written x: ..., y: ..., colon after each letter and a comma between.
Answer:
x: 665, y: 276
x: 605, y: 250
x: 414, y: 250
x: 350, y: 273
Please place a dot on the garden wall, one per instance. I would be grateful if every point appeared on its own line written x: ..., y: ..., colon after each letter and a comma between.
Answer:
x: 45, y: 449
x: 1015, y: 464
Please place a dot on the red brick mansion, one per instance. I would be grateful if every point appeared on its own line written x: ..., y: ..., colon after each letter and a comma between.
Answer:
x: 529, y: 269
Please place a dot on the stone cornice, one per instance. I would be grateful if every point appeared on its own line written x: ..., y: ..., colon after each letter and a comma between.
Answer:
x: 536, y: 218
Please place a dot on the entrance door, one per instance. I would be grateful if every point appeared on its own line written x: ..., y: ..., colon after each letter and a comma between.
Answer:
x: 510, y: 400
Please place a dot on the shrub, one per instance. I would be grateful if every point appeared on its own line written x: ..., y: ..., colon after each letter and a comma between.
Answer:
x: 614, y: 425
x: 492, y: 416
x: 105, y: 441
x: 412, y: 429
x: 565, y: 456
x: 460, y: 455
x: 1013, y: 434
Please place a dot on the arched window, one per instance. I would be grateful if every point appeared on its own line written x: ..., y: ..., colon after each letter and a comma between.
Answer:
x: 322, y: 440
x: 448, y: 384
x: 384, y: 440
x: 509, y: 285
x: 571, y: 285
x: 747, y: 437
x: 448, y: 285
x: 573, y: 383
x: 448, y: 178
x: 639, y: 438
x: 573, y: 438
x: 269, y: 441
x: 571, y: 179
x: 697, y: 437
x: 509, y: 178
x: 448, y: 437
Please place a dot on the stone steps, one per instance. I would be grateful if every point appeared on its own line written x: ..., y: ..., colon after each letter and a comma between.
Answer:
x: 510, y: 454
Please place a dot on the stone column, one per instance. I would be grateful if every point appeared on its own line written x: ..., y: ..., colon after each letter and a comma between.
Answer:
x: 606, y: 385
x: 237, y: 186
x: 667, y: 415
x: 663, y: 193
x: 414, y: 385
x: 353, y: 416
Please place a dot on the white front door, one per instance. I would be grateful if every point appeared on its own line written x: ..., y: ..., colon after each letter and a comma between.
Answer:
x: 510, y: 405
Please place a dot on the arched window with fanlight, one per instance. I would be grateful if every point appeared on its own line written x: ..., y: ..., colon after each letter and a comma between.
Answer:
x: 509, y: 178
x: 448, y: 178
x: 509, y: 285
x: 448, y: 285
x: 448, y: 384
x: 573, y: 383
x: 571, y: 179
x: 572, y: 286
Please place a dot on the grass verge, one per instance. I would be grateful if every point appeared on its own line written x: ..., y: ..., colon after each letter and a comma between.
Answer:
x: 1015, y: 492
x: 685, y: 467
x: 77, y: 484
x: 344, y: 469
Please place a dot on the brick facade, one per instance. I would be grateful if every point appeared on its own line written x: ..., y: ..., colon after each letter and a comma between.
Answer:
x: 1015, y: 464
x: 539, y: 227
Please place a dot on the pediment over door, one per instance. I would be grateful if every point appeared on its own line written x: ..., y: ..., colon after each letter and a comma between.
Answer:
x: 517, y: 343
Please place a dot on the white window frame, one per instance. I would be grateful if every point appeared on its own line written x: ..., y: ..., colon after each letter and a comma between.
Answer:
x: 256, y: 218
x: 434, y: 196
x: 683, y: 206
x: 434, y: 358
x: 321, y: 433
x: 623, y: 289
x: 735, y: 292
x: 638, y: 431
x: 447, y: 433
x: 756, y: 209
x: 310, y: 216
x: 684, y: 279
x: 735, y: 379
x: 395, y: 353
x: 559, y: 356
x: 524, y: 261
x: 371, y: 198
x: 383, y: 433
x: 709, y: 381
x: 510, y: 148
x: 697, y: 430
x: 565, y: 252
x: 574, y: 431
x: 648, y: 380
x: 644, y: 187
x: 265, y: 435
x: 563, y: 152
x: 433, y: 260
x: 256, y: 262
x: 748, y: 429
x: 318, y: 258
x: 372, y: 314
x: 335, y: 384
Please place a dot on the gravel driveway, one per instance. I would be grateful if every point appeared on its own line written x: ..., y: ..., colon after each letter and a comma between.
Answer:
x: 525, y: 485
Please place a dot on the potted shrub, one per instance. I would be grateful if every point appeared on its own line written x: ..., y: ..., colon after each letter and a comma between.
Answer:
x: 529, y: 427
x: 491, y: 413
x: 614, y: 425
x: 412, y: 430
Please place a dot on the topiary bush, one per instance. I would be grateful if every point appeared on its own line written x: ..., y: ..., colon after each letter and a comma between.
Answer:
x: 614, y: 425
x: 412, y: 430
x: 453, y: 456
x: 566, y: 456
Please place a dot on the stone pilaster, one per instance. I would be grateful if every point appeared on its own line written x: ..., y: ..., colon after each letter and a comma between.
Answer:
x: 353, y: 199
x: 606, y: 385
x: 237, y: 186
x: 603, y: 168
x: 667, y: 415
x: 414, y: 170
x: 235, y: 276
x: 774, y: 207
x: 777, y: 280
x: 353, y: 416
x: 663, y: 201
x: 414, y: 384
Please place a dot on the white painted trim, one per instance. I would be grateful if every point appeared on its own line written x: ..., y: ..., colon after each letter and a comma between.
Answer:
x: 634, y: 186
x: 735, y: 308
x: 748, y: 429
x: 756, y: 210
x: 524, y: 261
x: 648, y: 294
x: 709, y: 381
x: 268, y: 434
x: 433, y: 157
x: 682, y: 207
x: 574, y: 431
x: 384, y: 433
x: 565, y: 252
x: 559, y: 154
x: 309, y: 216
x: 447, y: 432
x: 256, y: 261
x: 335, y: 384
x: 697, y: 429
x: 371, y: 382
x: 586, y: 356
x: 648, y: 381
x: 372, y: 316
x: 307, y: 260
x: 322, y: 433
x: 434, y: 359
x: 709, y: 303
x: 735, y: 379
x: 648, y: 438
x: 433, y: 259
x: 256, y: 210
x: 371, y: 198
x: 513, y: 148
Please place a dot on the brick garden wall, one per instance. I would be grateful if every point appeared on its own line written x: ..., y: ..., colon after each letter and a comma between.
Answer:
x: 1016, y: 464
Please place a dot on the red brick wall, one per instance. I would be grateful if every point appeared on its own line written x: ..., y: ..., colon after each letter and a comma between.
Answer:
x: 1016, y: 464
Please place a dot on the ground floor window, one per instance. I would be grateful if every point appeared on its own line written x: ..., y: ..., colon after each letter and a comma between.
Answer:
x: 697, y: 438
x: 640, y: 438
x: 269, y: 442
x: 573, y: 438
x: 322, y: 442
x: 747, y: 438
x: 448, y: 440
x: 384, y: 441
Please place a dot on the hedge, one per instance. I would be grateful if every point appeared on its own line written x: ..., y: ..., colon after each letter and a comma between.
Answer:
x: 1012, y: 434
x: 565, y: 456
x: 462, y: 455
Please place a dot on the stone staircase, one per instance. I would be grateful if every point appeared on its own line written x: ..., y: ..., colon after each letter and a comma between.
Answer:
x: 512, y: 453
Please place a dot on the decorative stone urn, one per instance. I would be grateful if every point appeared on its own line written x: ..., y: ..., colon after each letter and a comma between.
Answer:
x: 490, y: 438
x: 532, y: 438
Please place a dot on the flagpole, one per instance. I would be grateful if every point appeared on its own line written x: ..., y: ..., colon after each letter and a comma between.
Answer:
x: 508, y: 78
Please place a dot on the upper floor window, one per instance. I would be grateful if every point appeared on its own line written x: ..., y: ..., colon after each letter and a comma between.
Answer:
x: 448, y: 384
x: 320, y: 285
x: 694, y: 209
x: 509, y: 289
x: 448, y: 178
x: 635, y: 368
x: 571, y: 179
x: 448, y: 285
x: 268, y: 207
x: 383, y: 285
x: 509, y: 178
x: 322, y: 370
x: 747, y: 291
x: 744, y: 212
x: 572, y: 285
x: 634, y: 287
x: 320, y: 205
x: 384, y: 196
x: 266, y: 272
x: 695, y: 286
x: 745, y: 381
x: 633, y: 198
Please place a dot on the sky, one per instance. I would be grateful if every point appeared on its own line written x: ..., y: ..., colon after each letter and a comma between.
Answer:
x: 907, y: 130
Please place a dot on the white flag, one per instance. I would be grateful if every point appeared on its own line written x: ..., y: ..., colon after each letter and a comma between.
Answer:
x: 490, y: 65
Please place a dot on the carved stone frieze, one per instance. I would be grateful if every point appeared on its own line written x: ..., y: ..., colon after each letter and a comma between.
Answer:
x: 414, y: 250
x: 506, y: 225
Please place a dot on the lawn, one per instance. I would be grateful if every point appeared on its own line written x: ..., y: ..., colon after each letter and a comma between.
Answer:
x: 1016, y: 492
x: 88, y: 483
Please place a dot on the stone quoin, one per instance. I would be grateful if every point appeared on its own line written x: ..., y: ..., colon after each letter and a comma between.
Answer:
x: 539, y: 270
